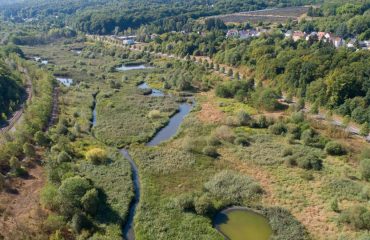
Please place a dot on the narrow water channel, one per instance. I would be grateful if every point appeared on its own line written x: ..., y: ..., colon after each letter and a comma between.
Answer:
x: 164, y: 134
x: 171, y: 128
x: 128, y: 230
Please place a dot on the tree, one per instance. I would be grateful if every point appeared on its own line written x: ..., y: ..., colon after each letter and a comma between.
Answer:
x: 71, y: 192
x: 230, y: 72
x: 29, y: 150
x: 14, y: 163
x: 90, y: 201
x: 97, y: 156
x: 64, y: 157
x: 365, y: 169
x: 364, y: 131
x: 334, y: 148
x: 41, y: 138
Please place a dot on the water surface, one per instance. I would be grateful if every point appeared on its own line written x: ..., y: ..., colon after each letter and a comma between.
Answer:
x: 155, y: 92
x: 124, y: 68
x: 65, y: 81
x: 128, y: 230
x: 242, y: 224
x: 170, y: 130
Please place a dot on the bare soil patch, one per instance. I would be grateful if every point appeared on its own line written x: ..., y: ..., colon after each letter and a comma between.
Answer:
x: 21, y: 213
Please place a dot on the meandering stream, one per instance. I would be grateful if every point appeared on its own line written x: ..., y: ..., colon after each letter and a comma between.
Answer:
x: 162, y: 135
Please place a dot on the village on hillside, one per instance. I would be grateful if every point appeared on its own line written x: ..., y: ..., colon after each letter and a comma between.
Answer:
x: 300, y: 35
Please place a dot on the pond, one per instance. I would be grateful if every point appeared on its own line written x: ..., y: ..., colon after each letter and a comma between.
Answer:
x: 65, y: 81
x: 171, y: 128
x: 154, y: 93
x: 239, y: 223
x: 124, y: 68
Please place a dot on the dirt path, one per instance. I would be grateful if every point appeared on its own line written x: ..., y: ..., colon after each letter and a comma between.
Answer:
x: 21, y: 212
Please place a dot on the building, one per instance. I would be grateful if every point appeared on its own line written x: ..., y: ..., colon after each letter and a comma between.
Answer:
x: 298, y: 35
x: 351, y: 43
x: 337, y: 42
x: 246, y: 34
x: 288, y: 34
x: 232, y: 33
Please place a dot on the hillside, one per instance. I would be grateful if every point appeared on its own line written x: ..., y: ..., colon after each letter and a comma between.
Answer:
x: 11, y: 91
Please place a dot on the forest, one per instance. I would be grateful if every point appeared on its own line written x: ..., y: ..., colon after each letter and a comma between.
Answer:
x: 12, y: 90
x: 115, y: 16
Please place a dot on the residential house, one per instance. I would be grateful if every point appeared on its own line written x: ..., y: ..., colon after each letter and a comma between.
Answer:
x: 312, y: 35
x: 232, y: 33
x: 337, y: 42
x: 288, y: 34
x: 321, y: 35
x: 351, y: 43
x: 298, y: 35
x: 245, y: 34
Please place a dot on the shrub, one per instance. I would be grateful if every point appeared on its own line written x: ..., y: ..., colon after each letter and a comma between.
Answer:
x: 308, y: 176
x: 334, y: 148
x: 90, y: 201
x: 63, y: 157
x: 97, y: 156
x: 213, y: 141
x: 203, y: 205
x: 294, y: 130
x: 267, y: 100
x: 29, y: 150
x: 232, y: 121
x: 79, y: 222
x: 311, y: 161
x: 154, y: 114
x: 49, y: 197
x: 244, y: 118
x: 41, y: 139
x: 287, y: 152
x: 225, y: 133
x: 297, y: 117
x: 243, y: 141
x: 54, y: 222
x: 357, y: 216
x: 307, y: 136
x: 334, y: 205
x: 278, y: 128
x: 185, y: 202
x: 210, y: 151
x: 14, y: 163
x: 70, y: 192
x: 233, y: 188
x: 365, y: 169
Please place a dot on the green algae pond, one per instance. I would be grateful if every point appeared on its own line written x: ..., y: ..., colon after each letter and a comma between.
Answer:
x: 242, y: 224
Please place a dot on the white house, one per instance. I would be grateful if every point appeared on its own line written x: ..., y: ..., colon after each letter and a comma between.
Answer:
x: 232, y: 33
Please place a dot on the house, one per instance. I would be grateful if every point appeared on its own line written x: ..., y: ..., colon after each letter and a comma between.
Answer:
x: 312, y: 35
x: 321, y: 35
x: 245, y: 34
x: 298, y: 35
x: 128, y: 42
x: 351, y: 43
x: 232, y: 33
x: 337, y: 42
x: 153, y: 36
x: 364, y: 44
x: 329, y: 35
x: 288, y: 34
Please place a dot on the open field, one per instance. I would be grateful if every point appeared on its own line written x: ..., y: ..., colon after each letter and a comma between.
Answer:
x: 276, y: 15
